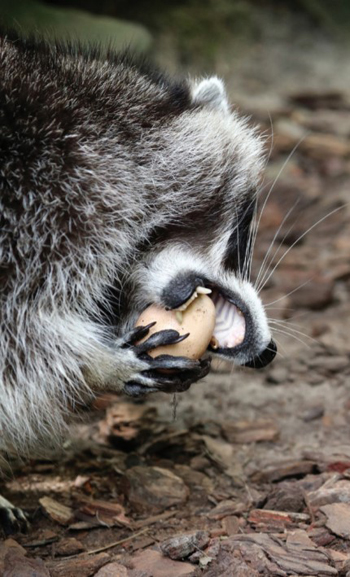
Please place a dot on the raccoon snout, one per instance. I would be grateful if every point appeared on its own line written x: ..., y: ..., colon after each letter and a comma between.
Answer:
x: 180, y: 290
x: 265, y: 358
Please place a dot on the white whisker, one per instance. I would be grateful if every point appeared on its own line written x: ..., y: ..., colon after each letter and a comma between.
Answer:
x: 283, y: 332
x: 292, y: 329
x: 302, y: 236
x: 290, y: 292
x: 274, y: 184
x: 261, y: 274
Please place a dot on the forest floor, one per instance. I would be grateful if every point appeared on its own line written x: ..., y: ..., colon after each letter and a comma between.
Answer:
x: 252, y: 477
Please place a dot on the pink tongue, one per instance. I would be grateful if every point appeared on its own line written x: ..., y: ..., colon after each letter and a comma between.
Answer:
x: 230, y: 323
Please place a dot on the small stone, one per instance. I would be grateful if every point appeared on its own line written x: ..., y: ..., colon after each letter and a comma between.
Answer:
x: 151, y: 563
x: 69, y: 546
x: 16, y: 565
x: 181, y: 546
x: 112, y: 570
x: 154, y: 488
x: 8, y: 545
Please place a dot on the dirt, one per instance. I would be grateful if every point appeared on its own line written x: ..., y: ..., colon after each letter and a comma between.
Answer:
x: 252, y: 476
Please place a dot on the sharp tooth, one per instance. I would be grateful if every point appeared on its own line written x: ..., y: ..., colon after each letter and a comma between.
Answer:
x: 186, y: 304
x: 201, y: 290
x: 179, y: 316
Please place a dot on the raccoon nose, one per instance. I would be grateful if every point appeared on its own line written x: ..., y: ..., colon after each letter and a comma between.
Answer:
x: 264, y: 358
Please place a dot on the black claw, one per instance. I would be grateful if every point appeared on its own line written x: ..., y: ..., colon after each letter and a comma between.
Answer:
x: 136, y: 390
x: 180, y: 338
x: 185, y: 371
x: 161, y: 338
x: 170, y: 362
x: 13, y: 520
x: 180, y: 381
x: 137, y: 334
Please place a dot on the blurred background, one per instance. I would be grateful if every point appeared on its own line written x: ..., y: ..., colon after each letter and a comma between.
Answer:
x: 240, y: 436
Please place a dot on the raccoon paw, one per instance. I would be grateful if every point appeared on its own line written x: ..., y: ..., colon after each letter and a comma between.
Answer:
x: 181, y: 371
x: 12, y: 519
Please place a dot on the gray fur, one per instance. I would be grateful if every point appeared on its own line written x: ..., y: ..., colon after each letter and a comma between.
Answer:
x: 112, y: 181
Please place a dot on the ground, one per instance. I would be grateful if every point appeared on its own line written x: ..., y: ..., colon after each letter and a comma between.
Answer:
x: 248, y: 473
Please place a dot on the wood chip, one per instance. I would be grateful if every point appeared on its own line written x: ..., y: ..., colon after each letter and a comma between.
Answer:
x: 334, y: 490
x: 223, y: 454
x: 338, y: 518
x: 230, y: 525
x: 250, y: 431
x: 126, y: 424
x: 283, y: 470
x: 266, y: 520
x: 154, y: 488
x: 101, y: 513
x: 56, y: 511
x: 297, y: 556
x: 78, y: 566
x: 225, y: 508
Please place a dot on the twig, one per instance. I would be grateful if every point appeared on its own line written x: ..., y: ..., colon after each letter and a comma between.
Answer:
x: 309, y: 508
x: 154, y: 519
x: 109, y: 546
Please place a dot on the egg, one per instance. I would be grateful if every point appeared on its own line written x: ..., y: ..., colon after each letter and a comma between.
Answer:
x: 198, y: 319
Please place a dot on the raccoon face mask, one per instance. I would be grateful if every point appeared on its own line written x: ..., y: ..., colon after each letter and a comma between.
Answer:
x: 205, y: 238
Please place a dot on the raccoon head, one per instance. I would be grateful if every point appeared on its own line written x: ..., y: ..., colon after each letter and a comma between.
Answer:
x: 202, y: 224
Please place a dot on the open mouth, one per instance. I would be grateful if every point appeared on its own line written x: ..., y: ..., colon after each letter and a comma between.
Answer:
x: 233, y: 328
x: 230, y: 323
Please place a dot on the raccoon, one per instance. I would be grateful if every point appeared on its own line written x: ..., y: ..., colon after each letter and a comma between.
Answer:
x: 119, y: 188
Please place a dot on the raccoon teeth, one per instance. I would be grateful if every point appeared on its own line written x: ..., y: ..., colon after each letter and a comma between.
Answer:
x: 201, y: 290
x: 186, y: 304
x: 179, y: 316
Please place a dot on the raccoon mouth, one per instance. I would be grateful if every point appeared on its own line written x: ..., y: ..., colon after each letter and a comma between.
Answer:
x: 233, y: 333
x: 230, y: 325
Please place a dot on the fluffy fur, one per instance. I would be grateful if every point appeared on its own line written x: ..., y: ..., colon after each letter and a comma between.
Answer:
x: 113, y: 182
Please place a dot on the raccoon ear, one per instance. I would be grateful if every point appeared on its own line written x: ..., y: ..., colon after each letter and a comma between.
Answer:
x: 211, y: 94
